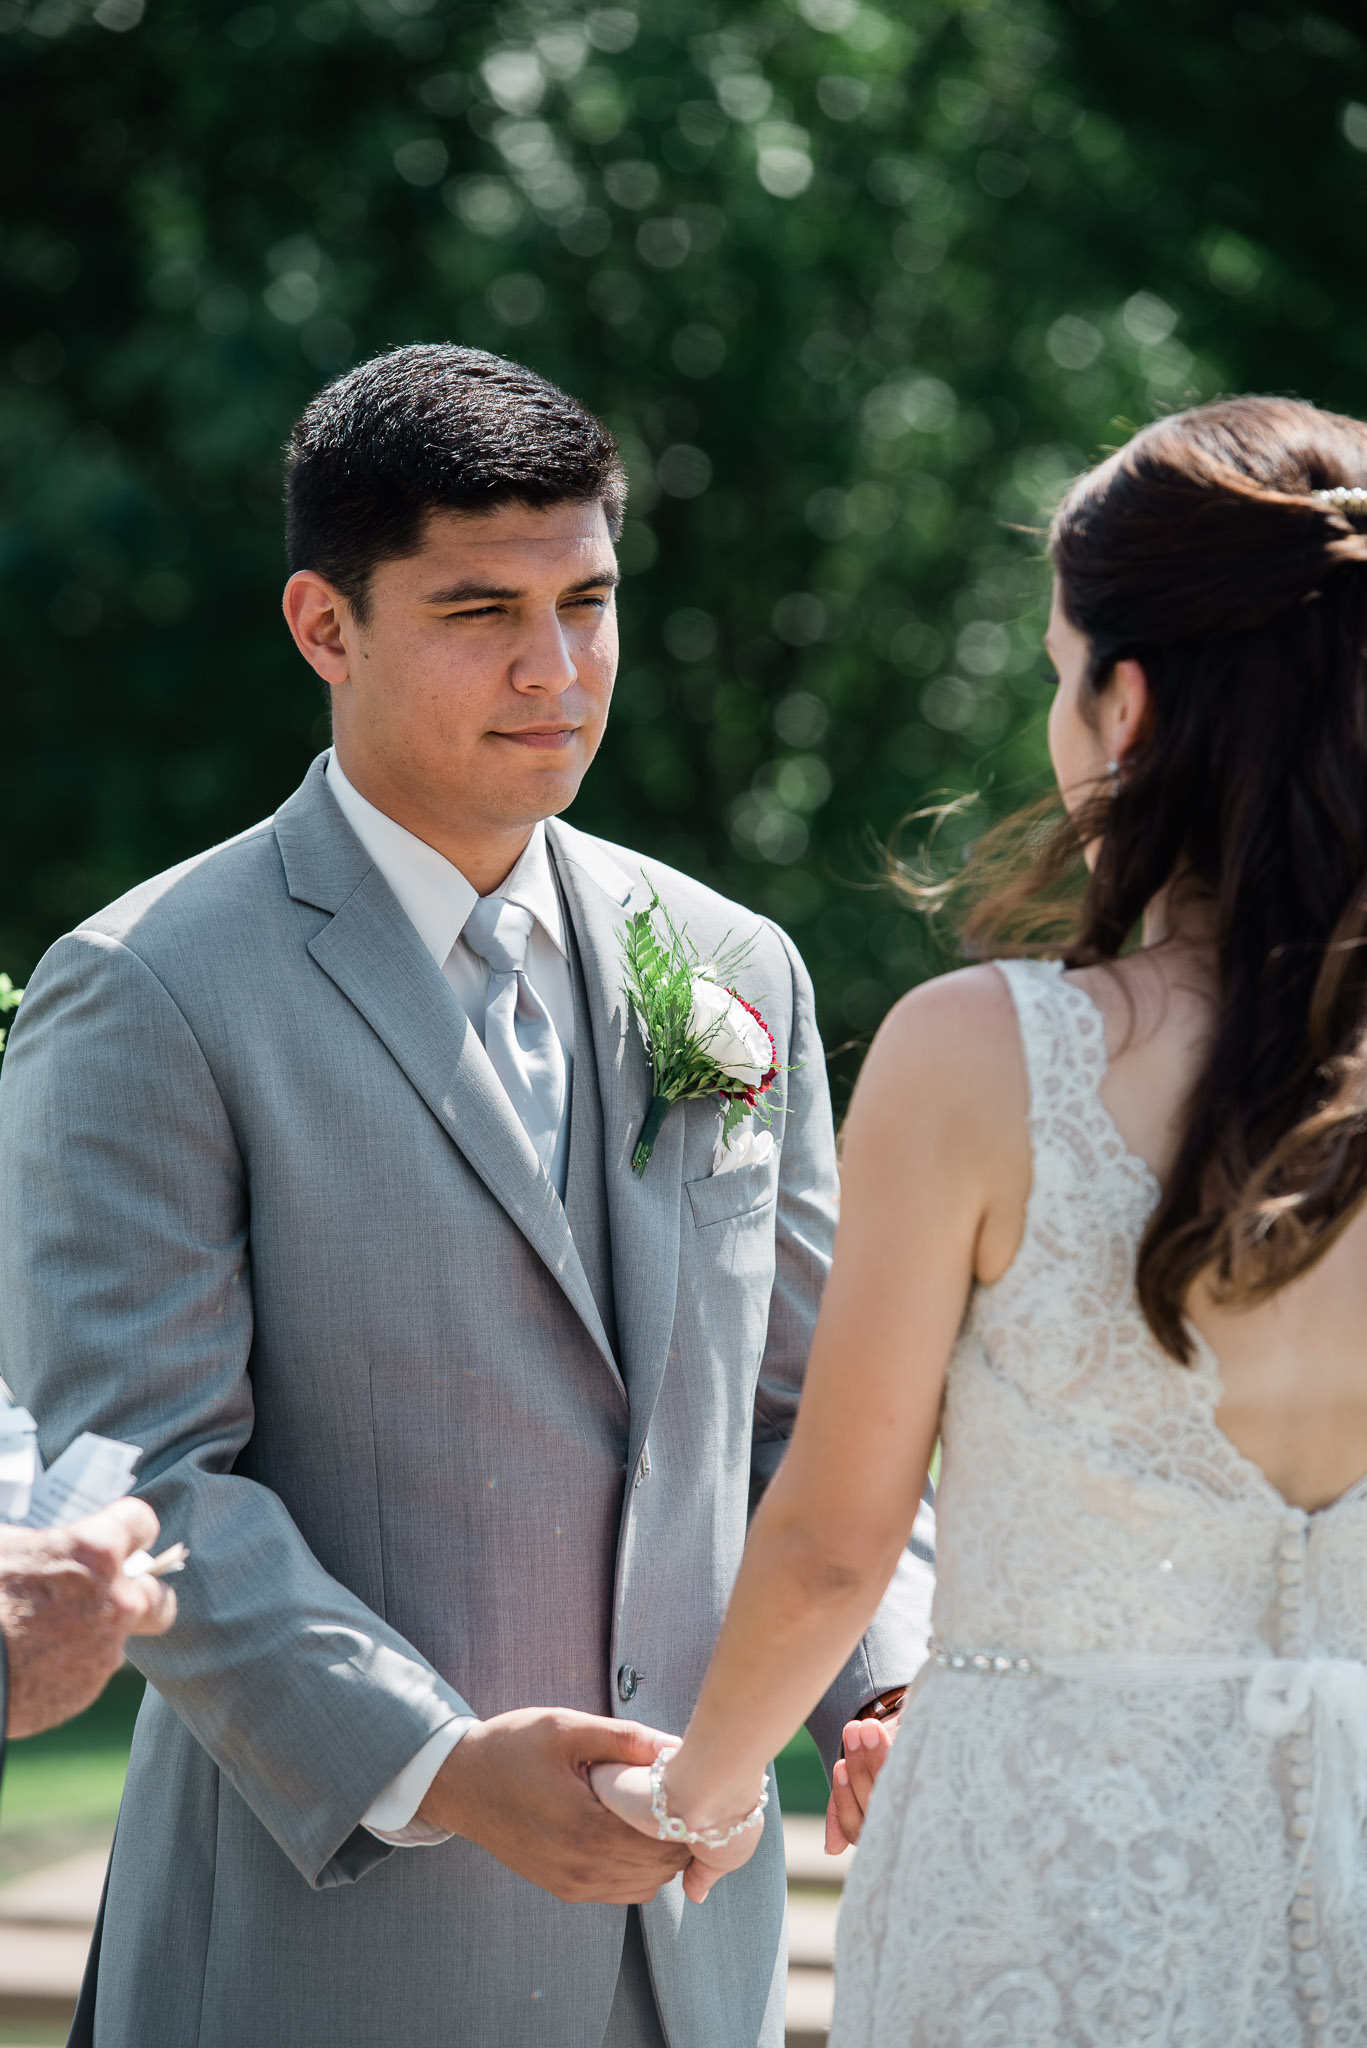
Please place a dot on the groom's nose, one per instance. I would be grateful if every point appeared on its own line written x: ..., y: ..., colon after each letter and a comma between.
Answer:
x: 543, y: 660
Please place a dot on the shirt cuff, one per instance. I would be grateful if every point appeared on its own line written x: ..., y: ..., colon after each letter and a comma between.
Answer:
x: 393, y: 1816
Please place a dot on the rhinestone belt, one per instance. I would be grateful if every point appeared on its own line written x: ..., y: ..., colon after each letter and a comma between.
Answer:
x: 980, y: 1660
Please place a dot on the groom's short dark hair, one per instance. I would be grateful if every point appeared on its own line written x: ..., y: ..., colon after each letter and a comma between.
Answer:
x: 433, y: 428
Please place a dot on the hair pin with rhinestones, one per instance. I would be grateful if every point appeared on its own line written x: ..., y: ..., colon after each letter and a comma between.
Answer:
x: 1343, y: 497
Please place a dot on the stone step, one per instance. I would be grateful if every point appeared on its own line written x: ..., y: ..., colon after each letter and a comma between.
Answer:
x: 40, y: 1970
x: 815, y: 1881
x: 811, y: 1996
x: 804, y: 1843
x: 65, y: 1894
x: 811, y: 1930
x: 46, y: 1920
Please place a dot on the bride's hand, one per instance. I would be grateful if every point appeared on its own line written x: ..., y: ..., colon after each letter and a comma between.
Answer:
x: 625, y: 1790
x: 867, y: 1744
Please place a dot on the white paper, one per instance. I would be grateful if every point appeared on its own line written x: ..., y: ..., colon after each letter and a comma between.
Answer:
x: 91, y: 1474
x: 19, y: 1462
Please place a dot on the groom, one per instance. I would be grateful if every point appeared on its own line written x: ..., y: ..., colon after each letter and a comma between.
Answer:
x: 318, y: 1187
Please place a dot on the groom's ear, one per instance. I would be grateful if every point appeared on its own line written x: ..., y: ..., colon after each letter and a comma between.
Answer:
x: 317, y: 615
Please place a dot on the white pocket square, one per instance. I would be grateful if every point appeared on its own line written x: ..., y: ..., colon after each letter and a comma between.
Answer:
x: 748, y: 1147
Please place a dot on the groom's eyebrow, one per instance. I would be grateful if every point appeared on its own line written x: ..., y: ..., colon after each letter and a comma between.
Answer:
x: 495, y: 593
x: 605, y: 579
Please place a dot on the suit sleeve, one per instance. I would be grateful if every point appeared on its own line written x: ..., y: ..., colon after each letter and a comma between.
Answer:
x: 125, y: 1274
x: 894, y: 1647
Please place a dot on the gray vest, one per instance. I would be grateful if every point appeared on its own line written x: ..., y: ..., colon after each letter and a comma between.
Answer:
x: 586, y: 1203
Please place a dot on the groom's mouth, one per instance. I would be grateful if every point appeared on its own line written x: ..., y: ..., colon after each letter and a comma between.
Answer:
x: 542, y: 739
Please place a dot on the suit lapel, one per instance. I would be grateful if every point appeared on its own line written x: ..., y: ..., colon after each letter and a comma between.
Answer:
x: 371, y: 952
x: 643, y: 1215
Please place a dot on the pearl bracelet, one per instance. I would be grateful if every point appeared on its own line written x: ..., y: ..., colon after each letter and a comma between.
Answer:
x: 670, y: 1828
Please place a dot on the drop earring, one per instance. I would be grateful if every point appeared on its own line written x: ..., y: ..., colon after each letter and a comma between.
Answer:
x: 1113, y: 770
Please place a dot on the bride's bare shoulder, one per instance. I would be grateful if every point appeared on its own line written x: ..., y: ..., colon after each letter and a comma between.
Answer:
x: 935, y: 1015
x: 951, y: 1046
x: 939, y: 1126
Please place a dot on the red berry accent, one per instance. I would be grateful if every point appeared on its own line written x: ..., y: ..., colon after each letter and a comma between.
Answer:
x: 751, y: 1095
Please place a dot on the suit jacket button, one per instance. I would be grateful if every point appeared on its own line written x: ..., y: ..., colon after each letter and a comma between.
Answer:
x: 627, y: 1681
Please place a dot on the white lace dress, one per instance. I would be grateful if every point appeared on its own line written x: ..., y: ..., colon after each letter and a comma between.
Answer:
x: 1125, y: 1809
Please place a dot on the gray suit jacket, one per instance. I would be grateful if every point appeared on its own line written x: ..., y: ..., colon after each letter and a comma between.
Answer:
x: 266, y: 1212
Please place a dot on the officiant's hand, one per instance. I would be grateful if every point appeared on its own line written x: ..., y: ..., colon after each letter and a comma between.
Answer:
x: 867, y: 1744
x: 67, y: 1609
x: 518, y: 1784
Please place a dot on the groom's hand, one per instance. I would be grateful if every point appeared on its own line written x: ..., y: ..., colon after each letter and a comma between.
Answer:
x: 519, y: 1786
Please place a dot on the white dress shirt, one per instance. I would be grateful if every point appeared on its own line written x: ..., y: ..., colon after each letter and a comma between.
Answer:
x: 437, y: 900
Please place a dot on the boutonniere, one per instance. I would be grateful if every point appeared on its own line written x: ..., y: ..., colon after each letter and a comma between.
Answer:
x: 701, y: 1036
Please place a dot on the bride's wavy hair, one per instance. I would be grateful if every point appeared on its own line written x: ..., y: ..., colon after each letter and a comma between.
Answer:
x: 1198, y: 550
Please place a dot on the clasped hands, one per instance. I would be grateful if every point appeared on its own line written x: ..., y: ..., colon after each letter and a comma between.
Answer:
x: 563, y: 1799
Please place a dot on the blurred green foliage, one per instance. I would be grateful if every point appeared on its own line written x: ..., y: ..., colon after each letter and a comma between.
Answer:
x: 62, y: 1790
x: 859, y: 286
x: 69, y: 1780
x: 10, y: 998
x: 801, y: 1776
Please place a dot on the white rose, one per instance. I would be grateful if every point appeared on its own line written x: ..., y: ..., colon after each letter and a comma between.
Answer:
x: 735, y: 1041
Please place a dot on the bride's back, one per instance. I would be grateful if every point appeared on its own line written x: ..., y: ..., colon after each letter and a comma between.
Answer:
x: 1209, y: 734
x: 1293, y: 1368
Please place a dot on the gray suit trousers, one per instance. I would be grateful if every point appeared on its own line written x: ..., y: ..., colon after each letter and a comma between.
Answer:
x: 634, y: 2021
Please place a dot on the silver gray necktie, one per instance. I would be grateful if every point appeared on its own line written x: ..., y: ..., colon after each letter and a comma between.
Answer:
x: 519, y: 1037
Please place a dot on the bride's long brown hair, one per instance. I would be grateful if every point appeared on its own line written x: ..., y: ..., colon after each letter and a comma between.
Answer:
x: 1198, y: 550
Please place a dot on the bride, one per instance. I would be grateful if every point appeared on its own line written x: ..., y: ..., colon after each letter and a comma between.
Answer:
x: 1104, y: 1235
